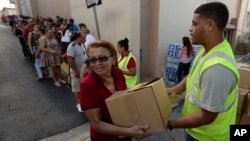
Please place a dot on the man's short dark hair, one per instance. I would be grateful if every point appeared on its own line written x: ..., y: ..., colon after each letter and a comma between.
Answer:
x: 216, y: 11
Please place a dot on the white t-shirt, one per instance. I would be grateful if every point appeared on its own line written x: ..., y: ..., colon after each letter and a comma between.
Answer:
x: 66, y: 37
x: 89, y: 38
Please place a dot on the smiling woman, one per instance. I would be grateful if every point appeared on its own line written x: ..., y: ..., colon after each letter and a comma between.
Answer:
x: 102, y: 81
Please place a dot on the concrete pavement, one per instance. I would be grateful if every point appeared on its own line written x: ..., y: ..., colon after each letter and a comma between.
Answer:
x: 80, y: 133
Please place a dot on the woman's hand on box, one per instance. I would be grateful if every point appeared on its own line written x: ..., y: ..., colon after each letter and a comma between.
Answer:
x: 170, y: 92
x: 138, y: 132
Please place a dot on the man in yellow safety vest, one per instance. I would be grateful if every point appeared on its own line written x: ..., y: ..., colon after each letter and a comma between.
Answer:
x: 211, y: 100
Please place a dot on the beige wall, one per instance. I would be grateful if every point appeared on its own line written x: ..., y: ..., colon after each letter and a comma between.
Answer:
x: 44, y: 8
x: 52, y: 8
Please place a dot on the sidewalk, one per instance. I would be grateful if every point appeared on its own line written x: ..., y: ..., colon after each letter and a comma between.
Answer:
x: 80, y: 133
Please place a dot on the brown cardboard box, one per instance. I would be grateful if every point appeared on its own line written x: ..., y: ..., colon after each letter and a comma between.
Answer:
x: 242, y: 93
x: 244, y: 78
x: 243, y: 65
x: 146, y: 103
x: 246, y: 106
x: 238, y: 117
x: 245, y: 119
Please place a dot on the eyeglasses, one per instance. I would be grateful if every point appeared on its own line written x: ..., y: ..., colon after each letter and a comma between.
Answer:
x: 100, y: 59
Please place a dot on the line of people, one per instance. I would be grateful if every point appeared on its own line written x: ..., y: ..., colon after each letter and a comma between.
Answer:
x: 47, y: 47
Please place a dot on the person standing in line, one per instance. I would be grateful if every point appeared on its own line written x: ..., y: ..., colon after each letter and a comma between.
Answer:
x: 26, y: 30
x: 127, y: 63
x: 211, y: 102
x: 51, y: 56
x: 74, y: 27
x: 100, y: 83
x: 33, y: 38
x: 76, y: 58
x: 185, y: 56
x: 19, y: 34
x: 38, y: 55
x: 89, y: 37
x: 66, y: 37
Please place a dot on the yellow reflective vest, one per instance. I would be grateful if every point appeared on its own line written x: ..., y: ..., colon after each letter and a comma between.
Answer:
x: 130, y: 80
x: 219, y: 129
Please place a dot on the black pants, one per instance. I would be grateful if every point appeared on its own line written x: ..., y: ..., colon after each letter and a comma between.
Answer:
x: 64, y: 47
x: 24, y: 46
x: 183, y: 68
x: 31, y: 57
x: 121, y: 139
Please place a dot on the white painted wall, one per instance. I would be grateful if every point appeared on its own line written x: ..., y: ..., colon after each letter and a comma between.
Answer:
x: 175, y: 19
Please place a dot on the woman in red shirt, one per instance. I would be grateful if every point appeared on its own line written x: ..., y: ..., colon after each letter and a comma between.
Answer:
x: 104, y: 79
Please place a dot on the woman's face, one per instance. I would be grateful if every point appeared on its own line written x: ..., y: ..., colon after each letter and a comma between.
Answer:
x: 50, y: 34
x: 101, y: 60
x: 119, y: 49
x: 36, y: 28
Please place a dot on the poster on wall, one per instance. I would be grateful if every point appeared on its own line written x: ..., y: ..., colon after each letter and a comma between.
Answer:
x: 92, y: 3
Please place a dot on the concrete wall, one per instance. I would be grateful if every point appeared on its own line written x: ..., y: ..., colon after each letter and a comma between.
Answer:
x: 52, y: 8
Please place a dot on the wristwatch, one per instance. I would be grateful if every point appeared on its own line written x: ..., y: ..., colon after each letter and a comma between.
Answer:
x: 169, y: 126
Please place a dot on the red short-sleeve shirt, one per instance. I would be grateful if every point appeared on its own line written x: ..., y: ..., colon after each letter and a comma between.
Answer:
x: 93, y: 94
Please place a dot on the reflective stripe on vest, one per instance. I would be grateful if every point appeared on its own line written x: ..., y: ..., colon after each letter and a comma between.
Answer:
x: 192, y: 97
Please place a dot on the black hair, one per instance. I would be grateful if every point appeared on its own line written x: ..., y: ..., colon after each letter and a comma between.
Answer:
x: 187, y: 43
x: 71, y: 20
x: 82, y: 25
x: 124, y: 43
x: 66, y: 28
x: 42, y: 30
x: 75, y: 36
x: 216, y: 11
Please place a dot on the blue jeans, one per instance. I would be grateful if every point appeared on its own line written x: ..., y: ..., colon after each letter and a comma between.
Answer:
x: 38, y: 67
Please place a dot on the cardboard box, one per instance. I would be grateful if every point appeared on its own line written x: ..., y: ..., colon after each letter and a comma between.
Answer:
x: 246, y: 106
x: 245, y: 119
x: 238, y: 117
x: 146, y: 103
x: 244, y: 78
x: 242, y: 93
x: 243, y: 65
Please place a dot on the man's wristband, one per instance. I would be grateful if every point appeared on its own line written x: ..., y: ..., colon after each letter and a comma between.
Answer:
x: 170, y: 122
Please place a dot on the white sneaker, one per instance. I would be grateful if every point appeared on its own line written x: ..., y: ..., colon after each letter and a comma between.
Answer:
x: 78, y: 106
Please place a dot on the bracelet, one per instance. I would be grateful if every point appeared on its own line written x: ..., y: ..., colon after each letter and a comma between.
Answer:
x: 170, y: 122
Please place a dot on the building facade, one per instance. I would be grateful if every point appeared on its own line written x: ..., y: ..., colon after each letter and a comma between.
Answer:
x: 150, y: 25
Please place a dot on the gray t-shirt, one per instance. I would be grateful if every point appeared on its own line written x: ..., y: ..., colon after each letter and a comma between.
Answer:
x: 78, y: 53
x: 216, y: 84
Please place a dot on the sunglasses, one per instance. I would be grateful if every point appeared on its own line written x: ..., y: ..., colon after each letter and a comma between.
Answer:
x: 100, y: 59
